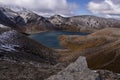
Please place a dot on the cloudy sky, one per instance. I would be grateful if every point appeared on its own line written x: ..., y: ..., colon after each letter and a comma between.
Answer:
x: 106, y: 8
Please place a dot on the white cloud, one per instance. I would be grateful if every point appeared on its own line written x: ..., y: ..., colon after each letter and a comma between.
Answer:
x: 44, y: 7
x: 113, y: 16
x: 109, y: 8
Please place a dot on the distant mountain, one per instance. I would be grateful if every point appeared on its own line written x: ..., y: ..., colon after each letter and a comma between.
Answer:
x: 82, y: 23
x: 29, y: 22
x: 24, y: 20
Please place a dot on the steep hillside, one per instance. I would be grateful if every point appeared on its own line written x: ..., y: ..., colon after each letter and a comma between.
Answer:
x: 24, y: 21
x: 19, y: 61
x: 100, y: 48
x: 15, y: 45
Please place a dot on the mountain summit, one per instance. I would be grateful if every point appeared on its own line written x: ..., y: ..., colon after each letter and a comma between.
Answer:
x: 24, y: 21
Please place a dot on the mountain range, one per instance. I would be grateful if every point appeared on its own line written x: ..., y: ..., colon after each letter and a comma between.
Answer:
x: 29, y: 22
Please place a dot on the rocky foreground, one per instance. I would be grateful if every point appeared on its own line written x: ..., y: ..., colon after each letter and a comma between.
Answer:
x: 80, y: 71
x: 20, y: 61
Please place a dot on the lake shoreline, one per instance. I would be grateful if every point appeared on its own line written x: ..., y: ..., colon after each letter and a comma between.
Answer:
x: 51, y: 38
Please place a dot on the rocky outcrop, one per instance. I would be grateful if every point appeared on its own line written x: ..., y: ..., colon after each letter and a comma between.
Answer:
x: 107, y: 75
x: 76, y: 71
x: 79, y: 70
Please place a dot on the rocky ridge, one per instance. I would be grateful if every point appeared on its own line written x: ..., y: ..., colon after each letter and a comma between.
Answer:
x: 83, y: 23
x: 29, y: 22
x: 24, y: 21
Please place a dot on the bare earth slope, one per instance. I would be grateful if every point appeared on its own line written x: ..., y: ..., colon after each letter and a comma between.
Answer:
x: 102, y: 49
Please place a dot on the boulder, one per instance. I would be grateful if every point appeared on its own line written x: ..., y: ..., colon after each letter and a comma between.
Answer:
x: 77, y: 70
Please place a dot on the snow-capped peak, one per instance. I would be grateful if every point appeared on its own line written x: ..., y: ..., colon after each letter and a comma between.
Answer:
x: 15, y: 8
x: 23, y: 12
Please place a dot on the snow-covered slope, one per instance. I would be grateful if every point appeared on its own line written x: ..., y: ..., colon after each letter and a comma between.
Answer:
x: 23, y: 20
x: 83, y: 23
x: 29, y: 22
x: 13, y: 44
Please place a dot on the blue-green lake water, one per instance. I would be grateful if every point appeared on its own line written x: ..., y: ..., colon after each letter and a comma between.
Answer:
x: 51, y: 40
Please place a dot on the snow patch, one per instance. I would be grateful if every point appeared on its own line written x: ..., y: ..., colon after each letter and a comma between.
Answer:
x: 8, y: 47
x: 13, y: 11
x: 2, y: 26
